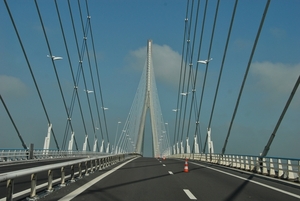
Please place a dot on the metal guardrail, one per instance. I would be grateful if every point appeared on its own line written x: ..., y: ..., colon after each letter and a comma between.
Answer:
x: 91, y: 165
x: 7, y: 155
x: 283, y: 168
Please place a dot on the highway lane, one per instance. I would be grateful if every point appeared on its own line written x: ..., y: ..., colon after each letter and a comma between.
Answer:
x: 152, y: 179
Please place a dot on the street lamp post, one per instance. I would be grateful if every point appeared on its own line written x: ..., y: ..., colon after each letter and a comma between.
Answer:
x: 116, y: 135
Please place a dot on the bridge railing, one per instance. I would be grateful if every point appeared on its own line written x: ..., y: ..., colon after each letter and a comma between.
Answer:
x: 7, y: 155
x: 284, y: 168
x: 85, y: 167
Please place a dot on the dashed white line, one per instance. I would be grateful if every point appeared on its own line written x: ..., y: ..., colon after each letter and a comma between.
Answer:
x: 170, y: 172
x: 164, y: 165
x: 189, y: 194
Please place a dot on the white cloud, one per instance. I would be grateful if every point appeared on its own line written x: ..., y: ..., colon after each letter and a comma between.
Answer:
x: 166, y: 63
x: 278, y: 33
x: 277, y: 78
x: 241, y: 44
x: 12, y: 86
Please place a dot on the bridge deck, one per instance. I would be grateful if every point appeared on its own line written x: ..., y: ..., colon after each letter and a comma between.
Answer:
x: 153, y: 179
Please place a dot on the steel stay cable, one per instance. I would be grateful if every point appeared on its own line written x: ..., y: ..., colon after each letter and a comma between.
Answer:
x: 206, y: 69
x: 80, y: 55
x: 75, y: 91
x: 90, y: 69
x: 191, y: 76
x: 180, y: 77
x: 88, y: 57
x: 79, y: 69
x: 190, y: 64
x: 267, y: 147
x: 246, y: 73
x: 197, y: 129
x: 222, y: 65
x: 98, y: 77
x: 207, y: 64
x: 195, y: 106
x: 13, y: 122
x: 55, y: 70
x: 184, y: 78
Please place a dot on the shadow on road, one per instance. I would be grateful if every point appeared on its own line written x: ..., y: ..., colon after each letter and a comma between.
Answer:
x: 237, y: 191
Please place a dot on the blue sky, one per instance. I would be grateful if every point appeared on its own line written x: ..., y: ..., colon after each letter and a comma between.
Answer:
x: 121, y: 30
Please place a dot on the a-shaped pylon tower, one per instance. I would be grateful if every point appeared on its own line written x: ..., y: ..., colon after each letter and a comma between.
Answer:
x: 146, y: 99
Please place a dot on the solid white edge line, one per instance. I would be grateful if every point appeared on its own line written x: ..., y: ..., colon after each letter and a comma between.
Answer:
x: 92, y: 182
x: 189, y: 194
x: 255, y: 182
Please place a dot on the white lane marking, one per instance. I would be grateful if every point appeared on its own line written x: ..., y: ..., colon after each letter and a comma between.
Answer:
x: 164, y: 165
x: 249, y: 180
x: 72, y: 195
x: 170, y: 172
x: 189, y: 194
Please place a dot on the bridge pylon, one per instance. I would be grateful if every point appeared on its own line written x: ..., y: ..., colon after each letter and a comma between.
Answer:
x: 145, y: 101
x: 148, y: 106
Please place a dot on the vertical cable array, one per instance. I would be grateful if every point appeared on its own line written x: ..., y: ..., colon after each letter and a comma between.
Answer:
x: 82, y: 51
x: 98, y: 81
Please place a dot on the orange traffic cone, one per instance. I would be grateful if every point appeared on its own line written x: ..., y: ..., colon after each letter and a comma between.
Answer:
x: 186, y: 167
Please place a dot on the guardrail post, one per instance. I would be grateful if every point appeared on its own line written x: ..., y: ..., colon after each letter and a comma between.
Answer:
x: 96, y: 165
x: 86, y: 169
x: 50, y: 179
x: 92, y: 167
x: 247, y: 167
x: 264, y: 167
x: 242, y: 163
x: 238, y: 162
x: 99, y: 164
x: 290, y: 173
x: 233, y: 162
x: 280, y: 169
x: 272, y: 169
x: 31, y: 151
x: 80, y: 170
x: 104, y: 163
x: 33, y: 185
x: 252, y: 166
x: 72, y: 173
x: 63, y: 176
x: 10, y: 189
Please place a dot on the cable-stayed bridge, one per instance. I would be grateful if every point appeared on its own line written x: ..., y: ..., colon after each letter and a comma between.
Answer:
x: 79, y: 144
x: 146, y: 98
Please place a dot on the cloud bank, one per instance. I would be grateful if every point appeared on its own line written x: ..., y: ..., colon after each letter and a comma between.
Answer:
x: 166, y: 63
x: 12, y: 87
x: 276, y: 78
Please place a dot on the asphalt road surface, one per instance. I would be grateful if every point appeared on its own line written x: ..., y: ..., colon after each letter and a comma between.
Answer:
x: 157, y: 179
